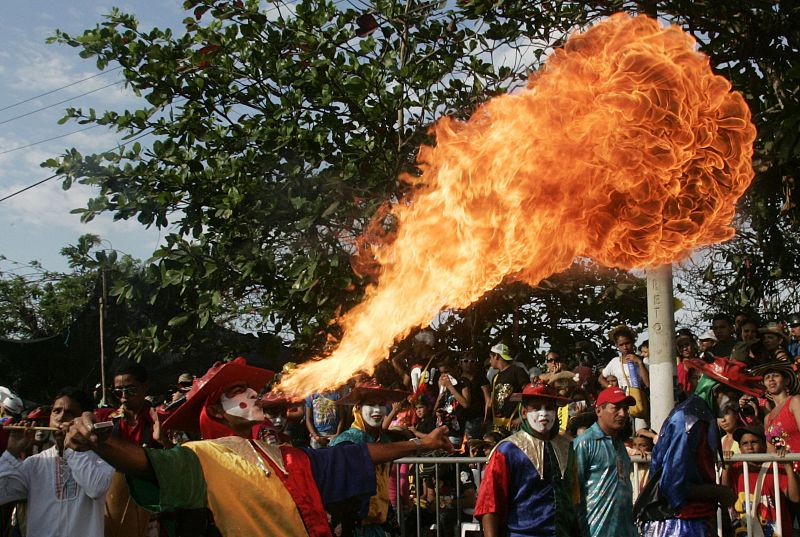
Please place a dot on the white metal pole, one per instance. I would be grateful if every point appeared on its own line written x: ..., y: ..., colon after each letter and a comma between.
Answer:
x: 661, y: 332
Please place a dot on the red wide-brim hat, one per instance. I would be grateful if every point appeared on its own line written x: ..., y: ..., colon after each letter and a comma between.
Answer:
x: 372, y: 391
x: 277, y: 400
x: 222, y: 374
x: 729, y: 372
x: 538, y: 389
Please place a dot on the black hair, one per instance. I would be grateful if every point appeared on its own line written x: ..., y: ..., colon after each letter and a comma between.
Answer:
x: 645, y: 343
x: 77, y: 395
x: 578, y: 421
x: 137, y: 371
x: 721, y: 317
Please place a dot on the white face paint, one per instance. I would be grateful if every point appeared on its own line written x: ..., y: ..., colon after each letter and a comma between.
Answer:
x: 541, y: 420
x: 243, y: 405
x: 373, y: 414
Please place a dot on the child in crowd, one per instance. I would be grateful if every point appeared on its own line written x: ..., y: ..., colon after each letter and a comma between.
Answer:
x: 763, y: 508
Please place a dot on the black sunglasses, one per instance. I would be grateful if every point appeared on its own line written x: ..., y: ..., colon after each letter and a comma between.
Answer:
x: 125, y: 390
x: 467, y: 360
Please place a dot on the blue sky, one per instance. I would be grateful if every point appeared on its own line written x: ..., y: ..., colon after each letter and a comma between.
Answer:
x: 37, y: 223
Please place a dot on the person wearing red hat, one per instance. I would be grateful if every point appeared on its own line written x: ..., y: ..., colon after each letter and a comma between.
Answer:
x: 683, y: 462
x: 528, y: 485
x: 249, y: 487
x: 604, y: 469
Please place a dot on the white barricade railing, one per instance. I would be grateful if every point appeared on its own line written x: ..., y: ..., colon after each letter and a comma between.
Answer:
x: 637, y: 462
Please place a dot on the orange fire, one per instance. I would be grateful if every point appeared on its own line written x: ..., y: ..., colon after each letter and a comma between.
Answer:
x: 624, y: 148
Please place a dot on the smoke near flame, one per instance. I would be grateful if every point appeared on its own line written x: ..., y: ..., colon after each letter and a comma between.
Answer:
x: 624, y: 148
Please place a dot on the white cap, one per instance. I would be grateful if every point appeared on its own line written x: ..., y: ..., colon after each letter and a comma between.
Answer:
x: 708, y: 334
x: 10, y: 402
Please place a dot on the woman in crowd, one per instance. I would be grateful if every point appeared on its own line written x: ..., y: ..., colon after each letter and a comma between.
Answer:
x: 782, y: 424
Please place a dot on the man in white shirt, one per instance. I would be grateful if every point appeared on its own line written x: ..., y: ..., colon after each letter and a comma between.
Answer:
x: 65, y: 489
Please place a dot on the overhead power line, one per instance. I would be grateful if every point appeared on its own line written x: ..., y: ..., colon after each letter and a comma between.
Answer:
x: 47, y: 140
x: 28, y: 187
x: 59, y: 102
x: 37, y: 183
x: 29, y: 99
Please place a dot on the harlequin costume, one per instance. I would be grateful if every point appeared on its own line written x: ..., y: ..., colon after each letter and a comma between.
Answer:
x: 688, y: 445
x: 250, y: 487
x: 374, y: 512
x: 529, y: 482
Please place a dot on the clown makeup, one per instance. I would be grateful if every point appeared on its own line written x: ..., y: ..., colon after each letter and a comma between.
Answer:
x: 541, y: 419
x: 373, y: 414
x: 242, y: 404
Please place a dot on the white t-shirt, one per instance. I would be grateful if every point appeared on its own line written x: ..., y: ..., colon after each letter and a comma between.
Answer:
x: 66, y: 495
x: 614, y: 368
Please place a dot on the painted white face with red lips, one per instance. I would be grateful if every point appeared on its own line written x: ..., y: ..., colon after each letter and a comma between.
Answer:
x: 542, y: 419
x: 373, y: 414
x: 243, y: 405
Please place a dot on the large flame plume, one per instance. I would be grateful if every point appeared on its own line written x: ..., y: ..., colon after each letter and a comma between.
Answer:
x: 624, y: 148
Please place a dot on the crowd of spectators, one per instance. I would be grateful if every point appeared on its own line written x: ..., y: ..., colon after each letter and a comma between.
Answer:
x: 416, y: 392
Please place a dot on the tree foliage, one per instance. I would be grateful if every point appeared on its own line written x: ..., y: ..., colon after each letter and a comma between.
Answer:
x: 275, y: 131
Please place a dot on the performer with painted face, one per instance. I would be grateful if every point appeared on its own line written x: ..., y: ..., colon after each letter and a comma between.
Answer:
x: 528, y: 488
x: 685, y: 455
x: 248, y: 486
x: 370, y: 405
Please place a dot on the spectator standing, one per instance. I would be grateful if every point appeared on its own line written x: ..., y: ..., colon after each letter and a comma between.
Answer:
x: 687, y: 350
x: 763, y: 504
x: 323, y: 418
x: 629, y: 369
x: 480, y: 397
x: 782, y: 424
x: 793, y: 346
x: 136, y: 421
x: 724, y: 333
x: 775, y: 339
x: 728, y: 422
x: 684, y: 456
x: 624, y: 339
x: 706, y: 340
x: 507, y: 381
x: 604, y: 468
x: 454, y: 397
x: 65, y: 489
x: 11, y: 408
x: 555, y: 362
x: 527, y: 487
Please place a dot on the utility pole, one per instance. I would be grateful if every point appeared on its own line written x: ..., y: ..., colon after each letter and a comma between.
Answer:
x: 661, y: 332
x: 102, y: 315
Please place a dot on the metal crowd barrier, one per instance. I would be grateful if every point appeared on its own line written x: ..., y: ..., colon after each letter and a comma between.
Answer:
x: 637, y: 462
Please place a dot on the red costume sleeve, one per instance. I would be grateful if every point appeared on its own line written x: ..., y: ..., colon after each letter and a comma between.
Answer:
x: 493, y: 492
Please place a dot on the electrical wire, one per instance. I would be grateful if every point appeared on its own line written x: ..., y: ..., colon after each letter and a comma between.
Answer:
x: 26, y: 114
x: 37, y: 183
x: 46, y: 140
x: 60, y: 88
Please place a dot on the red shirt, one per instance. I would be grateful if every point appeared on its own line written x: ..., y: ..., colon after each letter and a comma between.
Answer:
x: 140, y: 433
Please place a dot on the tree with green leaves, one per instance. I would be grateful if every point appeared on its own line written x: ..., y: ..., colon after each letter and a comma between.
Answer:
x: 270, y: 134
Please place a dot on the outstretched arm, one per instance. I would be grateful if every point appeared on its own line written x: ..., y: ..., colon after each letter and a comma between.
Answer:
x: 381, y: 453
x: 126, y: 457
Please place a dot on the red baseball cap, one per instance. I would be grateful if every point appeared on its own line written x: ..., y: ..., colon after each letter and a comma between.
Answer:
x: 615, y: 396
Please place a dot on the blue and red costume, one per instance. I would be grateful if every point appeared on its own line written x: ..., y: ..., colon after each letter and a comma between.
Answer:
x: 529, y: 485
